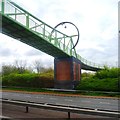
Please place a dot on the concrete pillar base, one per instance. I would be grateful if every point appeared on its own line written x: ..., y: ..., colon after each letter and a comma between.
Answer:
x: 67, y: 73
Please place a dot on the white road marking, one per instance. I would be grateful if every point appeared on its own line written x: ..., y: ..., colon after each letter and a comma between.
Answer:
x: 85, y: 101
x: 68, y: 100
x: 104, y: 103
x: 53, y: 98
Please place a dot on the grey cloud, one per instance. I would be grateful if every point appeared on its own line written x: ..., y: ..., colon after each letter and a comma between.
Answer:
x: 108, y: 55
x: 4, y: 52
x: 33, y: 52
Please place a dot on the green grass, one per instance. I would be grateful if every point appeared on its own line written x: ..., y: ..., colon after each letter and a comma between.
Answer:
x: 86, y: 93
x: 26, y: 89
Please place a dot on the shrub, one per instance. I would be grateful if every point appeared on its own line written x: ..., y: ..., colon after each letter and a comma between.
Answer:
x: 28, y: 80
x: 104, y: 80
x: 108, y: 84
x: 108, y: 73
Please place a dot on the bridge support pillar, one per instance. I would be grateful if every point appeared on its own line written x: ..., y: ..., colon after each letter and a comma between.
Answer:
x: 67, y: 73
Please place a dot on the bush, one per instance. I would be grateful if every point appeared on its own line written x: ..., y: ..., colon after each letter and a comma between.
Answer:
x: 104, y: 80
x: 28, y: 80
x: 108, y: 84
x: 108, y: 73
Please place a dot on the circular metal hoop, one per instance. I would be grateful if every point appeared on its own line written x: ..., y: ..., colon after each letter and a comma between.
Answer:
x: 78, y: 34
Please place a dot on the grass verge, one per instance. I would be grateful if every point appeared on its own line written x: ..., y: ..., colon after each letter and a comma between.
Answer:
x: 78, y: 92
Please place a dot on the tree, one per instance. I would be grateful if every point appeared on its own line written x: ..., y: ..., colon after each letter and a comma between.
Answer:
x: 48, y: 70
x: 38, y: 66
x: 21, y: 65
x: 8, y: 69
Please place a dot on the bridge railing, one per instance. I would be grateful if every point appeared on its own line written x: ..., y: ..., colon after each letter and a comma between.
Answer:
x: 38, y: 27
x: 22, y: 17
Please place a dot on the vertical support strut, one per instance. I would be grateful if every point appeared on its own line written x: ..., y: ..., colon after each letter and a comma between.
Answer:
x: 3, y: 6
x: 27, y: 21
x: 27, y: 109
x: 44, y: 31
x: 55, y: 41
x: 71, y: 45
x: 69, y: 115
x: 15, y: 13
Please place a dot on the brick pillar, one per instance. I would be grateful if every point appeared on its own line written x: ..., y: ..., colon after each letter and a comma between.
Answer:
x: 67, y: 73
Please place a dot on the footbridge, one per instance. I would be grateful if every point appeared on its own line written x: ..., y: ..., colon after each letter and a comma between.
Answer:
x: 25, y: 27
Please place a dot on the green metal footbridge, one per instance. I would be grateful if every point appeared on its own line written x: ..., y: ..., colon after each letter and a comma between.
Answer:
x: 23, y: 26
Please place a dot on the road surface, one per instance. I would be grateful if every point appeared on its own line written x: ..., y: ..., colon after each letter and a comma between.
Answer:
x: 94, y: 103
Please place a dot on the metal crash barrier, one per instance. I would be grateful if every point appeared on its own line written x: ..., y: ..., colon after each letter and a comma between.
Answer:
x: 68, y: 109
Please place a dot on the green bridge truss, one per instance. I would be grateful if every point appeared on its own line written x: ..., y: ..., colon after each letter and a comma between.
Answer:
x: 23, y: 26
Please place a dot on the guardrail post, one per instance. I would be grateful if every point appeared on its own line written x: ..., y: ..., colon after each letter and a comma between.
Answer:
x: 27, y: 110
x: 69, y: 115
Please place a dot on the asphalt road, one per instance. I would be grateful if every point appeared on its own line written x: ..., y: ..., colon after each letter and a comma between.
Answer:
x: 94, y: 103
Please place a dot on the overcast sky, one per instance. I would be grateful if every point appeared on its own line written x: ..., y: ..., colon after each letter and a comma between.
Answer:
x: 97, y: 21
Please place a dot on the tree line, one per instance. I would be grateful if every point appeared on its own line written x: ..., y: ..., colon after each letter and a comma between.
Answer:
x: 21, y: 67
x: 19, y: 74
